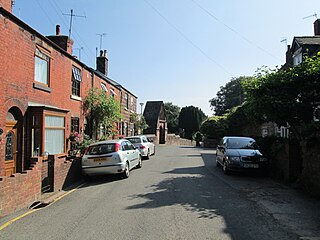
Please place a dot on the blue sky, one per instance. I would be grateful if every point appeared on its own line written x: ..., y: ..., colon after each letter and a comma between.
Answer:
x: 178, y: 51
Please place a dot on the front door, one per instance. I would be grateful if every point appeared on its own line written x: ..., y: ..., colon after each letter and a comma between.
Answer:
x: 11, y: 148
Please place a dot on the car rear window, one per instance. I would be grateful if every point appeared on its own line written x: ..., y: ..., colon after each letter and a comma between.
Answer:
x: 134, y: 140
x: 101, y: 149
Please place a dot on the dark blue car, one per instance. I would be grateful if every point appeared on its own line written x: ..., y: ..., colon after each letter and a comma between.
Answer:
x: 240, y: 153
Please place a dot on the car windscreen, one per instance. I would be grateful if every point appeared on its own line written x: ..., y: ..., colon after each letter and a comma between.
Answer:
x: 101, y: 149
x: 241, y: 143
x: 134, y: 140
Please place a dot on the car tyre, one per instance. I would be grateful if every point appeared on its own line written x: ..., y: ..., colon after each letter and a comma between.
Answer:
x: 126, y: 171
x: 217, y: 163
x: 140, y: 162
x: 148, y: 154
x: 225, y: 168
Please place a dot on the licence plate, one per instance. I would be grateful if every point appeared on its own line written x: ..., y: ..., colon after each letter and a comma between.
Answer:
x: 100, y: 159
x: 250, y: 165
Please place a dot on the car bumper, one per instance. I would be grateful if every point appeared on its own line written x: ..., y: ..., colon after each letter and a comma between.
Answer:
x: 143, y: 152
x: 245, y: 166
x: 104, y: 169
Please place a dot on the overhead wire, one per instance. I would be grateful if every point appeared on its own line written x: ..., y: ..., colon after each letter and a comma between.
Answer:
x: 234, y: 31
x: 187, y: 38
x: 78, y: 35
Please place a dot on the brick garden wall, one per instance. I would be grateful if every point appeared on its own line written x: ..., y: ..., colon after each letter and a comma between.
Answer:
x: 20, y: 190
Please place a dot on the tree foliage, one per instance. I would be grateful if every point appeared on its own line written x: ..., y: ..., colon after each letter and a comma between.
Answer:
x: 286, y: 96
x: 229, y: 96
x: 102, y: 110
x: 139, y: 122
x: 172, y: 116
x: 190, y: 119
x: 214, y: 127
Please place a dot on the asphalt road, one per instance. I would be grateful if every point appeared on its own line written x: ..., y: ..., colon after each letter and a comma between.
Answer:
x: 177, y: 194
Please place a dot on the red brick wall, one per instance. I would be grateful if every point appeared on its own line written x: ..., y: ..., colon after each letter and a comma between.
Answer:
x: 6, y: 4
x: 20, y: 190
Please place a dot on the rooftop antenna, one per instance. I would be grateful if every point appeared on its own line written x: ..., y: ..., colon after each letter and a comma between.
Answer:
x: 313, y: 15
x: 79, y: 49
x: 101, y: 36
x: 71, y: 17
x: 285, y: 40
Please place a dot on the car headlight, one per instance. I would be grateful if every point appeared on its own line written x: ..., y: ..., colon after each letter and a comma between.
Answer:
x: 235, y: 159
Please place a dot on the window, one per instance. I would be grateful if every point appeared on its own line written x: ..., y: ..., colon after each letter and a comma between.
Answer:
x: 76, y: 80
x: 41, y: 68
x: 104, y: 87
x: 112, y: 93
x: 131, y: 103
x: 297, y: 59
x: 10, y: 145
x: 127, y: 100
x: 36, y: 135
x: 54, y: 134
x: 74, y: 124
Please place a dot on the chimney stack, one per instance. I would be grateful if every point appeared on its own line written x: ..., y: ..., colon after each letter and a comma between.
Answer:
x: 289, y: 60
x: 316, y: 25
x: 102, y: 62
x: 7, y: 5
x: 62, y: 41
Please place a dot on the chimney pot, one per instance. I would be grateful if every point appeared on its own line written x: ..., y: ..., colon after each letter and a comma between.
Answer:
x: 57, y: 29
x: 105, y: 53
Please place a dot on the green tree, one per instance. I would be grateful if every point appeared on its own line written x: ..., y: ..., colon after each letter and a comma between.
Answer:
x: 172, y: 116
x: 190, y: 119
x: 139, y: 123
x: 229, y: 96
x: 286, y: 96
x: 214, y: 127
x: 101, y: 110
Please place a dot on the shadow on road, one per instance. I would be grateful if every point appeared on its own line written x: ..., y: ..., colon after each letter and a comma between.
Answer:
x: 198, y: 190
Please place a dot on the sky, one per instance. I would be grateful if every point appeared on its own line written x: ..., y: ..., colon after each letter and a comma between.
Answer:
x: 179, y: 51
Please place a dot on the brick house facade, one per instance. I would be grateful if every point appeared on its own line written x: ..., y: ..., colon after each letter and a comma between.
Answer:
x: 43, y: 88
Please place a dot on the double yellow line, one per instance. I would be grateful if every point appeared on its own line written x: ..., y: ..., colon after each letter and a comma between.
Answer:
x: 34, y: 210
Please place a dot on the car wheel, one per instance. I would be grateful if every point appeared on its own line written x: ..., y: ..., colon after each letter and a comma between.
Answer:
x: 225, y: 168
x: 148, y: 154
x: 217, y: 162
x: 140, y: 162
x: 126, y: 171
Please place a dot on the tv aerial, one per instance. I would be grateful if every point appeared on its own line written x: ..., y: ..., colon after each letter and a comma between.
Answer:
x: 313, y: 15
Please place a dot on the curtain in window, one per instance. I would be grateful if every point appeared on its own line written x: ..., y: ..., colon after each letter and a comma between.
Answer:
x: 54, y: 141
x: 41, y: 70
x: 54, y: 138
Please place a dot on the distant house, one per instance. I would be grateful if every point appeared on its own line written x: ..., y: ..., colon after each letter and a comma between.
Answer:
x: 301, y: 46
x: 154, y: 114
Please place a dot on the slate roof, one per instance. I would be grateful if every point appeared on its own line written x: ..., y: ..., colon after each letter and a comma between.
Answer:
x: 309, y: 40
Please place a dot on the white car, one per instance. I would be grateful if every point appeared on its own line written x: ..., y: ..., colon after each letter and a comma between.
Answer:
x: 145, y: 146
x: 110, y: 157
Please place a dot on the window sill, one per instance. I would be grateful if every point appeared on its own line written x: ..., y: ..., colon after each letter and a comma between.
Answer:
x: 41, y: 87
x: 76, y: 98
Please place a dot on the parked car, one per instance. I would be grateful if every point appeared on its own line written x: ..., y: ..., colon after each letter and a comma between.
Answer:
x: 145, y: 146
x: 111, y: 157
x: 240, y: 153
